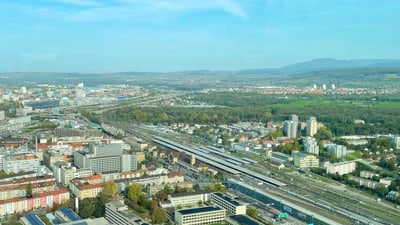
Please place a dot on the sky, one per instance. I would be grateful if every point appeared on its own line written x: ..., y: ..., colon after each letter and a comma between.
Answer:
x: 176, y: 35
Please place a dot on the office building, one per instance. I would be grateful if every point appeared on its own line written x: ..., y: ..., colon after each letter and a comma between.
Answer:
x: 230, y: 205
x: 100, y: 149
x: 49, y: 158
x: 312, y: 126
x: 104, y: 158
x: 96, y: 221
x: 240, y: 220
x: 199, y: 216
x: 21, y: 162
x: 118, y: 213
x: 185, y: 199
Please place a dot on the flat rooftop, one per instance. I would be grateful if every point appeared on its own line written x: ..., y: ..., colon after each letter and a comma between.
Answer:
x: 199, y: 210
x: 242, y: 219
x: 228, y: 199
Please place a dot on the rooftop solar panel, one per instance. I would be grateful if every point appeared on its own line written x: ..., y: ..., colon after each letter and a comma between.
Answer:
x: 34, y: 220
x: 70, y: 214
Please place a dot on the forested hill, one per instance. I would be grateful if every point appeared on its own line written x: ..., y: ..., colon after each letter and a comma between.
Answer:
x: 352, y: 77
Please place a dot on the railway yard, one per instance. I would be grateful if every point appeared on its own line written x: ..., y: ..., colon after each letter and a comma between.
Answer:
x: 328, y: 201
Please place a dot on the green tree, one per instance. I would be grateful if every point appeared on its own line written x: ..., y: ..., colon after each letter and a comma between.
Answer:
x: 158, y: 216
x: 252, y: 212
x: 110, y: 189
x: 323, y: 134
x: 134, y: 192
x: 86, y: 208
x: 29, y: 190
x: 216, y: 187
x: 167, y: 189
x: 219, y: 176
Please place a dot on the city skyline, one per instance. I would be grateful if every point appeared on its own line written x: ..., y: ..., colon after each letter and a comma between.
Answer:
x: 166, y: 36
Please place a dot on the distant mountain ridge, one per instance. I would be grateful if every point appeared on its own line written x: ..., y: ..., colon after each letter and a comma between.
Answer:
x: 350, y: 73
x: 323, y: 64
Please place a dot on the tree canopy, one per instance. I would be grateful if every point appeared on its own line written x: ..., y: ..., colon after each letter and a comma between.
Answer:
x: 134, y: 192
x: 158, y: 216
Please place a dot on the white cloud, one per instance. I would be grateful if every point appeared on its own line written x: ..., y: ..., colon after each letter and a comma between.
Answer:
x: 152, y: 9
x: 80, y: 2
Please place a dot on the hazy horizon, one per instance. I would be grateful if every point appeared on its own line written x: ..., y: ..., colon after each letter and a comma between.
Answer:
x: 175, y: 35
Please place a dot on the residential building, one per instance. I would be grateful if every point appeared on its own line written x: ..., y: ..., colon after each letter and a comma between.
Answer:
x: 64, y: 172
x: 396, y: 141
x: 232, y: 206
x: 310, y: 145
x: 386, y: 181
x: 139, y: 156
x: 87, y: 187
x: 341, y: 168
x: 304, y: 161
x: 41, y: 200
x: 199, y: 216
x: 368, y: 174
x: 17, y: 188
x: 312, y: 126
x: 290, y: 127
x: 337, y: 150
x: 366, y: 182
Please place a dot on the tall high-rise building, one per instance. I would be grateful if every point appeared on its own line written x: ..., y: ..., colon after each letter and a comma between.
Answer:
x: 105, y: 158
x: 312, y: 126
x: 290, y: 126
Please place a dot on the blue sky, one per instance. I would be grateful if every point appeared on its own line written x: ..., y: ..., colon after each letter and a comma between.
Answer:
x: 175, y: 35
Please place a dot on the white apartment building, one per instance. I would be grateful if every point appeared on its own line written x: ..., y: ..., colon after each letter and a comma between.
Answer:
x: 304, y: 161
x: 312, y: 126
x: 341, y: 168
x: 338, y: 150
x: 310, y: 145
